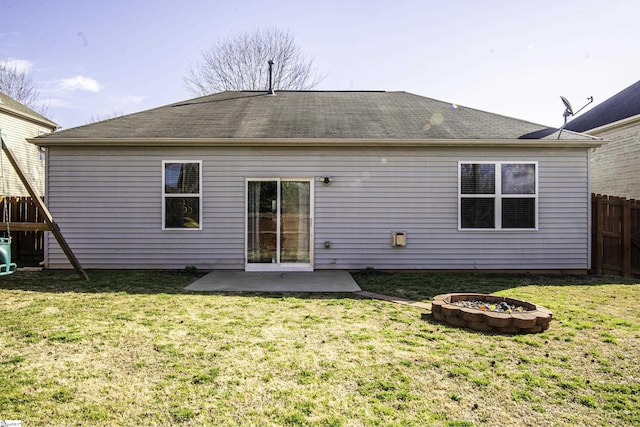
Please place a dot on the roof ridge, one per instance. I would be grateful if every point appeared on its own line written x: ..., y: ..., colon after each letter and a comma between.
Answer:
x: 308, y: 91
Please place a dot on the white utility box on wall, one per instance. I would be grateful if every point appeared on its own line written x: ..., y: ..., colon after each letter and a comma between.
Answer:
x: 399, y: 239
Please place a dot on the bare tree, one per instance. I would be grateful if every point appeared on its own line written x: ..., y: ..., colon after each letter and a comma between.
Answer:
x: 240, y: 63
x: 99, y: 117
x: 18, y: 84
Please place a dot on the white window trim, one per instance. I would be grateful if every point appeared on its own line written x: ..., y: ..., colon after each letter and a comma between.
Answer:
x: 165, y: 196
x: 498, y: 196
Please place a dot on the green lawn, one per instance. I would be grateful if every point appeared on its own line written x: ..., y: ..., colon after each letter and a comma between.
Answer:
x: 133, y: 348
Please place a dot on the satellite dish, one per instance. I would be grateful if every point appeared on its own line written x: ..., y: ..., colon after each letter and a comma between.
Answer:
x: 569, y: 111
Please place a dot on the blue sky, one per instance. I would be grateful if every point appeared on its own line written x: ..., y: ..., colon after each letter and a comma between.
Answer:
x: 92, y: 58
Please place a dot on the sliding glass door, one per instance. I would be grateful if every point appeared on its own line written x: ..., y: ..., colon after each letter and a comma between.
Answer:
x: 279, y: 224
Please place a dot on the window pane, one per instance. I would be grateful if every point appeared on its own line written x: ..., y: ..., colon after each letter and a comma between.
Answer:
x: 477, y: 213
x: 518, y: 179
x: 262, y: 221
x: 182, y: 178
x: 182, y: 212
x: 295, y: 221
x: 477, y: 178
x: 519, y: 213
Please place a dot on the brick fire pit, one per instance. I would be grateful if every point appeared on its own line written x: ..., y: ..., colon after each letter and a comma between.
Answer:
x: 532, y: 319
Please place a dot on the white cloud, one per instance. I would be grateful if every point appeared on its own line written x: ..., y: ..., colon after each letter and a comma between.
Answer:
x: 80, y: 83
x: 20, y: 65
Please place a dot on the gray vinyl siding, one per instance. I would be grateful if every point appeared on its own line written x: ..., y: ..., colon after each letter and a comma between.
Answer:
x: 108, y: 204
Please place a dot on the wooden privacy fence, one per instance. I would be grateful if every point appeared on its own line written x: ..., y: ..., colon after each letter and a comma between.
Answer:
x: 27, y: 228
x: 615, y: 235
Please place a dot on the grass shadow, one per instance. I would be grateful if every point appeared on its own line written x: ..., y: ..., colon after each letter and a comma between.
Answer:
x: 132, y: 282
x: 150, y: 282
x: 421, y: 286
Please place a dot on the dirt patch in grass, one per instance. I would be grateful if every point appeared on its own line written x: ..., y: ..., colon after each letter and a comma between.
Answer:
x: 134, y: 348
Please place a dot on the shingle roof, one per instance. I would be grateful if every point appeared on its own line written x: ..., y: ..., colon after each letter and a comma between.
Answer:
x: 12, y: 106
x: 622, y: 105
x: 312, y: 114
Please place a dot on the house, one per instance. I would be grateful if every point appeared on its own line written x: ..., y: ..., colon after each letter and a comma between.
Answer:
x: 319, y: 180
x: 17, y: 124
x: 615, y: 165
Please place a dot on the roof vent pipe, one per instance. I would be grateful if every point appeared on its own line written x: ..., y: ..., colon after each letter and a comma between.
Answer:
x: 270, y: 91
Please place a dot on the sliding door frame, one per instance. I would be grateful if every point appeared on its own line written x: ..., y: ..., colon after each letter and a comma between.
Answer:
x: 278, y: 265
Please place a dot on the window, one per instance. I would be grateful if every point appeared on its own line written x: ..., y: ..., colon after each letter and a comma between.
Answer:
x: 498, y: 195
x: 181, y: 194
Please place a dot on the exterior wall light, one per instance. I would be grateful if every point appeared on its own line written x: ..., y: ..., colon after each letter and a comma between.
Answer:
x: 327, y: 179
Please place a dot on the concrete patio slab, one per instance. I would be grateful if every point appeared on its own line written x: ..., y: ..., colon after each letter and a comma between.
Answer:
x: 290, y: 281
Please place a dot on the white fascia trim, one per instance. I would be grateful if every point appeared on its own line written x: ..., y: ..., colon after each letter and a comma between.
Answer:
x: 315, y: 142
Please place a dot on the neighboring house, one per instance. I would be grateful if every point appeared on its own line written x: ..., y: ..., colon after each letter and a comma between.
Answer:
x: 320, y: 180
x: 17, y: 124
x: 616, y: 165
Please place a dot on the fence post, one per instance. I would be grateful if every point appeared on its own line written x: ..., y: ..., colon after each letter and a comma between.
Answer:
x: 599, y: 238
x: 626, y: 238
